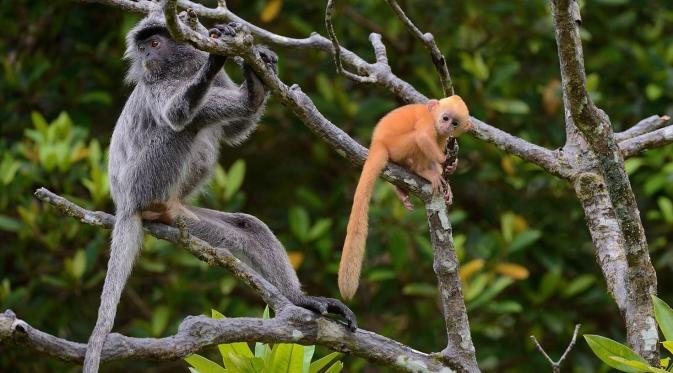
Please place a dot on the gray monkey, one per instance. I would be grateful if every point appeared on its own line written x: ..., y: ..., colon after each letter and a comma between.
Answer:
x: 165, y: 145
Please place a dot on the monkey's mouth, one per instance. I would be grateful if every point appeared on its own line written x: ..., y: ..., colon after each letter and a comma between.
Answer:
x: 151, y: 64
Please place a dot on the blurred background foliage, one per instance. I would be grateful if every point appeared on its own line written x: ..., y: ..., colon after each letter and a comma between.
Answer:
x: 528, y: 265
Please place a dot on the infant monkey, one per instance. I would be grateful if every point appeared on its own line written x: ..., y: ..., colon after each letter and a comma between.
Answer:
x: 414, y: 136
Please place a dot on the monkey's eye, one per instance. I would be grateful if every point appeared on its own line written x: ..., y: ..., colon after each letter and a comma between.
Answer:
x: 155, y: 43
x: 141, y: 48
x: 445, y: 118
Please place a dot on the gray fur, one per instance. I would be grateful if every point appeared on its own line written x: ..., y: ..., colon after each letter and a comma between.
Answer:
x: 166, y: 143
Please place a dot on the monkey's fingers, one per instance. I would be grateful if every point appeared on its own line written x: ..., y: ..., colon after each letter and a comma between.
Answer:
x: 311, y: 303
x: 220, y: 29
x: 336, y: 307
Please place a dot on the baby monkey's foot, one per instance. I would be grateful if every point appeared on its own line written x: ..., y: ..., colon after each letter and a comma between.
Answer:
x: 404, y: 197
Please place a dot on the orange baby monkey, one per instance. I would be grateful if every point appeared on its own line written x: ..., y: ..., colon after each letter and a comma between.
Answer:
x: 413, y: 136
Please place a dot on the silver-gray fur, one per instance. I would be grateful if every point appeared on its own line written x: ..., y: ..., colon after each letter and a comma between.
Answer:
x: 165, y: 145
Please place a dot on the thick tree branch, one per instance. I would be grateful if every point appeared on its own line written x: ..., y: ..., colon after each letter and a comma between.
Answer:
x: 446, y: 266
x: 596, y: 129
x: 292, y: 324
x: 639, y: 144
x: 429, y: 42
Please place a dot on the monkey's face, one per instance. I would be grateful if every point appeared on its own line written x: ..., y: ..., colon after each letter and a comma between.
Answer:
x: 154, y: 51
x: 452, y: 117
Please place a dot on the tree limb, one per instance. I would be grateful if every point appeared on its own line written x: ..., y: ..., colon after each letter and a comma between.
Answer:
x: 446, y: 266
x: 291, y: 324
x: 429, y: 42
x: 336, y: 51
x: 556, y: 365
x: 646, y: 125
x: 639, y: 144
x: 596, y: 130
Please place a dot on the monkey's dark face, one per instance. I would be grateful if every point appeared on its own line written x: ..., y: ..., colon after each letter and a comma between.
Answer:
x: 154, y: 52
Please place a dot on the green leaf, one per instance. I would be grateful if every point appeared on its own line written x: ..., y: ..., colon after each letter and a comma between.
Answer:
x: 160, y: 319
x: 78, y: 264
x: 234, y: 178
x: 524, y: 240
x: 578, y: 285
x: 319, y: 228
x: 664, y: 315
x: 319, y: 365
x: 642, y: 367
x: 308, y: 356
x: 204, y: 365
x: 605, y: 348
x: 299, y: 222
x: 508, y: 106
x: 420, y: 289
x: 215, y: 314
x: 666, y: 207
x: 665, y: 362
x: 9, y: 224
x: 668, y: 345
x: 287, y: 358
x: 335, y: 368
x: 491, y: 291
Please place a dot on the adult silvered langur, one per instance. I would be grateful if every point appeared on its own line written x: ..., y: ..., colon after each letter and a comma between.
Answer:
x: 165, y: 145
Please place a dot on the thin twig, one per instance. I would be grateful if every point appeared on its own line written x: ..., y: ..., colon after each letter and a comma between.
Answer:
x: 429, y: 41
x: 329, y: 11
x: 556, y: 365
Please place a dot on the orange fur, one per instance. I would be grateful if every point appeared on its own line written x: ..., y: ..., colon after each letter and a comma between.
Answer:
x: 413, y: 136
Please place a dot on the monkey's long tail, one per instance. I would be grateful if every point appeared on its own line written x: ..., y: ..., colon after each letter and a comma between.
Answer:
x: 356, y: 233
x: 127, y: 238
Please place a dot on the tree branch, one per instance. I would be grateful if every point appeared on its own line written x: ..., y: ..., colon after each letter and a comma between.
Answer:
x: 639, y: 144
x: 646, y: 125
x: 596, y: 129
x: 336, y: 51
x: 446, y: 266
x: 292, y: 324
x: 429, y: 42
x: 556, y: 365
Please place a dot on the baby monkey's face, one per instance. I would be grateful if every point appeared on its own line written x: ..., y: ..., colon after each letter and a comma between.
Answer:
x: 452, y: 118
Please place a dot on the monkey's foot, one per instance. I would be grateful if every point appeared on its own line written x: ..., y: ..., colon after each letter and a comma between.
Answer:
x: 404, y: 197
x: 324, y: 305
x: 448, y: 194
x: 227, y: 30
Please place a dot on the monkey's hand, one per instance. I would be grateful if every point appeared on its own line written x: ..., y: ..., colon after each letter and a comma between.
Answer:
x: 449, y: 169
x: 324, y: 305
x: 269, y: 57
x: 227, y: 30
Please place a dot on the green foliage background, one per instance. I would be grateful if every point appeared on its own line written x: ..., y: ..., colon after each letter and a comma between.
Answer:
x: 61, y: 91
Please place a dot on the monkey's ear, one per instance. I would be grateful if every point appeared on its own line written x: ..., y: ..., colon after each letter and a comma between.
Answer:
x: 432, y: 104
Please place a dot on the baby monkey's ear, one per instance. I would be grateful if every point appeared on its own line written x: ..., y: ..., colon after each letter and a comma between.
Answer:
x: 432, y: 104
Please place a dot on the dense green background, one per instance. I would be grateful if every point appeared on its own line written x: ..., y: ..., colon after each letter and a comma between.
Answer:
x: 61, y: 91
